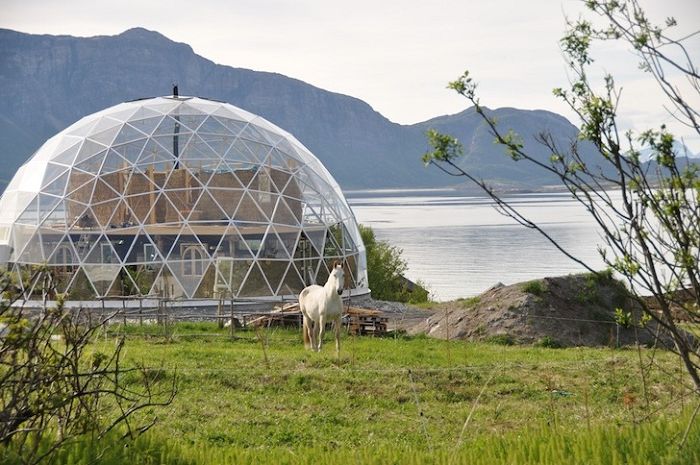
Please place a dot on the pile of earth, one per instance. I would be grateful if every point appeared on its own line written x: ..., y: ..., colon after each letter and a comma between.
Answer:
x: 574, y: 310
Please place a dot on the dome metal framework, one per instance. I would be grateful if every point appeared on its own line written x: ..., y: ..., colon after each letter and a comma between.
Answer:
x: 178, y: 197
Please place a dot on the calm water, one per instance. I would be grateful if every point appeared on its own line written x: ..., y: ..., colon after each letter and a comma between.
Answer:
x: 461, y: 246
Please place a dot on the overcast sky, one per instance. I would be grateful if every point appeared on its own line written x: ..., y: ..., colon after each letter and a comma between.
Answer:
x: 395, y: 55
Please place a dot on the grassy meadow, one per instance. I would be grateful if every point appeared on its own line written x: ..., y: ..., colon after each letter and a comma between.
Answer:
x: 260, y: 397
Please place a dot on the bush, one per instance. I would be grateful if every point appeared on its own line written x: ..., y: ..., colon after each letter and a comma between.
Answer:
x: 548, y: 342
x: 534, y: 287
x: 385, y: 270
x: 502, y: 340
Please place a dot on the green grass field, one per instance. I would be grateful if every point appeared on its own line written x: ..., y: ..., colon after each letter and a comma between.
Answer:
x: 400, y: 399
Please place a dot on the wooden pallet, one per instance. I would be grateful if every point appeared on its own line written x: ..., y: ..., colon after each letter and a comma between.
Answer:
x: 361, y: 322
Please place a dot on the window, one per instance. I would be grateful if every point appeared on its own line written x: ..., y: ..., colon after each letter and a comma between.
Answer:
x: 107, y: 253
x: 192, y: 260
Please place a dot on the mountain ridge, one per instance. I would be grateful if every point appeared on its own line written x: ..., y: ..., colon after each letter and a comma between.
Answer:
x: 49, y: 82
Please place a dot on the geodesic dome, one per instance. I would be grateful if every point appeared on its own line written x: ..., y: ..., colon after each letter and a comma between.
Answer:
x: 178, y: 197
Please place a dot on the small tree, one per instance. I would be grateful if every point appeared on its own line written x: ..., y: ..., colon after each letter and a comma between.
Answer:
x: 385, y: 269
x: 652, y: 231
x: 54, y: 387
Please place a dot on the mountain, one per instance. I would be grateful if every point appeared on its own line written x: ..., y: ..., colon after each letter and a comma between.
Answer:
x: 48, y: 82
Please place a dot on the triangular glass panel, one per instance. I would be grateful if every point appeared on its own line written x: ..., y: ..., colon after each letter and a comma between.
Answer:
x: 57, y: 186
x: 189, y: 273
x: 288, y: 236
x: 71, y: 211
x: 30, y: 215
x: 83, y: 243
x: 121, y: 243
x: 251, y: 133
x: 168, y: 126
x: 141, y: 183
x: 206, y: 209
x: 155, y: 154
x: 292, y: 284
x: 227, y: 199
x: 167, y: 285
x: 53, y: 172
x: 123, y: 216
x: 140, y: 206
x: 128, y: 133
x: 163, y: 212
x: 232, y: 245
x: 248, y: 211
x: 255, y: 284
x: 183, y: 200
x: 88, y: 149
x: 146, y: 125
x: 268, y: 131
x: 284, y: 215
x: 274, y: 271
x: 190, y: 111
x: 104, y: 211
x: 182, y: 178
x: 123, y: 285
x: 187, y: 247
x: 147, y: 112
x: 130, y: 151
x: 143, y: 250
x: 272, y: 246
x: 348, y: 242
x: 33, y: 250
x: 198, y: 151
x: 67, y: 157
x: 232, y: 125
x: 259, y: 150
x: 304, y: 249
x: 86, y: 221
x: 101, y: 276
x: 105, y: 136
x: 322, y: 273
x: 279, y: 160
x: 102, y: 252
x: 240, y: 156
x: 81, y: 288
x: 143, y: 276
x: 83, y: 127
x: 317, y: 238
x: 63, y: 254
x: 332, y: 246
x: 47, y: 203
x: 230, y: 274
x: 114, y: 163
x: 220, y: 143
x: 107, y: 187
x: 208, y: 285
x: 212, y: 126
x: 92, y: 165
x: 292, y: 190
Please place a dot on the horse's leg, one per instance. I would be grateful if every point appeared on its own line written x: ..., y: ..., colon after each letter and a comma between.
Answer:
x: 336, y: 326
x: 321, y: 327
x: 306, y: 330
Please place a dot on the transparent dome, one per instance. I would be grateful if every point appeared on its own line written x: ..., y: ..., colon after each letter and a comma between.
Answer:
x: 178, y: 197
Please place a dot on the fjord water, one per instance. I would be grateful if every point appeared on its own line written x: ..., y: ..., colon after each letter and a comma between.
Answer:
x: 460, y: 245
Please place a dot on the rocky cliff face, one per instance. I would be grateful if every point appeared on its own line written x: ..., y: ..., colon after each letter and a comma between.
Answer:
x: 48, y: 82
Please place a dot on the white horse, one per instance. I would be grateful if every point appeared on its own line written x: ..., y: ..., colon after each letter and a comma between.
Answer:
x: 321, y: 304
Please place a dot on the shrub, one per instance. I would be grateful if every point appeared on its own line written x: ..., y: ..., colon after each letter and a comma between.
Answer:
x: 548, y: 342
x: 534, y: 287
x: 385, y: 270
x: 502, y: 339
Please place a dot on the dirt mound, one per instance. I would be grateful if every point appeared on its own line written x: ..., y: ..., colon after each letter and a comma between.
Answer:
x: 575, y: 310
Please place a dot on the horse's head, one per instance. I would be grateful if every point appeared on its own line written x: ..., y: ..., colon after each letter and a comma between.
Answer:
x: 339, y: 274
